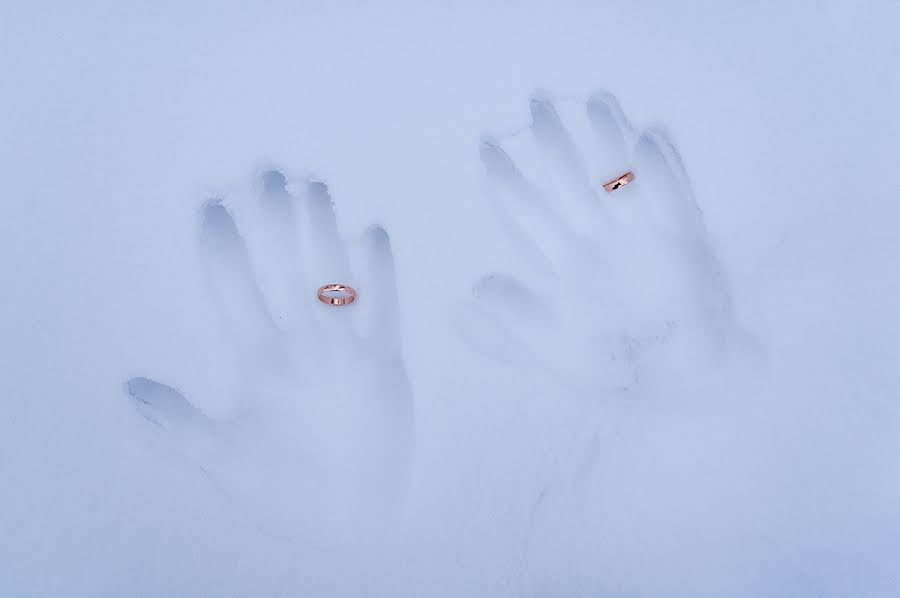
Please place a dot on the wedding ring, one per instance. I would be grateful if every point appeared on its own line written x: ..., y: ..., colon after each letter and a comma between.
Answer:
x: 619, y: 182
x: 336, y: 294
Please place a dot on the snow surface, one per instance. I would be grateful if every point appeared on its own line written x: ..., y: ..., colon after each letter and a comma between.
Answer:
x: 686, y: 388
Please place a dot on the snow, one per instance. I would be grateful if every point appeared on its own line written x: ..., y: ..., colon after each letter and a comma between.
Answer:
x: 684, y: 388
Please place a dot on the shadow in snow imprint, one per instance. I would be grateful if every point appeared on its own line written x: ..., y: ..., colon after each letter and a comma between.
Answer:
x: 324, y: 433
x: 614, y: 288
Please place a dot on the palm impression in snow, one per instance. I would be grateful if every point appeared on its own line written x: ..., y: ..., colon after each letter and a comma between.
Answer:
x: 324, y: 427
x: 616, y: 289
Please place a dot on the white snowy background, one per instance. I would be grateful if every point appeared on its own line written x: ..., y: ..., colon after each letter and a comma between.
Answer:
x: 775, y: 472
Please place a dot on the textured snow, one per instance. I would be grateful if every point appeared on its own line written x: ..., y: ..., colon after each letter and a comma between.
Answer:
x: 685, y: 388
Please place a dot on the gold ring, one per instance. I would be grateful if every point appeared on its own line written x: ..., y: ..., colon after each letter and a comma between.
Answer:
x: 619, y: 182
x: 336, y: 294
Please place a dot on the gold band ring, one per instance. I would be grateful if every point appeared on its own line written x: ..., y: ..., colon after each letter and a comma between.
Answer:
x: 336, y: 294
x: 619, y: 182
